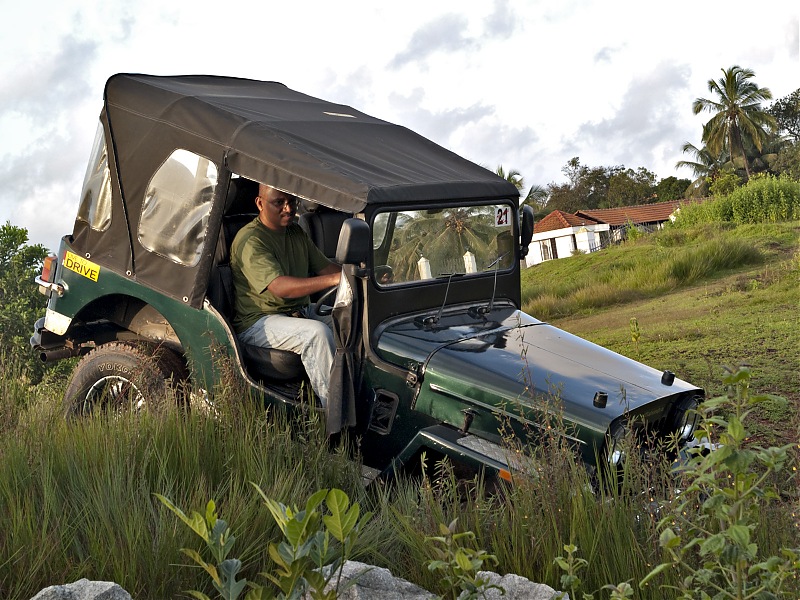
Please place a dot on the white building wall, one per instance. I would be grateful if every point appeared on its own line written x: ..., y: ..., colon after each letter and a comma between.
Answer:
x: 565, y: 245
x: 587, y: 239
x: 534, y: 256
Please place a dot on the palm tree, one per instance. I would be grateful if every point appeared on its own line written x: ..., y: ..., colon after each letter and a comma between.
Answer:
x: 764, y: 159
x: 513, y: 176
x: 705, y: 166
x: 536, y: 197
x: 737, y: 114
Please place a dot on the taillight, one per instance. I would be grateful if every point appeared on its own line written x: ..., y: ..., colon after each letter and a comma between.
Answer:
x: 49, y: 268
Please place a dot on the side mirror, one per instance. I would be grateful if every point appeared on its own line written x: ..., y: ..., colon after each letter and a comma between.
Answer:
x: 355, y: 241
x: 526, y: 229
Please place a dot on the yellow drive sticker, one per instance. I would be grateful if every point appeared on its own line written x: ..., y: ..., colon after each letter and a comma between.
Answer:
x: 81, y: 266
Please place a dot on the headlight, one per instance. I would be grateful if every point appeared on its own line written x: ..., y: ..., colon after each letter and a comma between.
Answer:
x: 686, y: 417
x: 615, y: 454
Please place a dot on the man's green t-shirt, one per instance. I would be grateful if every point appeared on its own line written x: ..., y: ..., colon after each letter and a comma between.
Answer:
x: 258, y: 256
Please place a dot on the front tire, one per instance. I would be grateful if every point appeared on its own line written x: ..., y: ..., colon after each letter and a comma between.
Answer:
x: 122, y: 376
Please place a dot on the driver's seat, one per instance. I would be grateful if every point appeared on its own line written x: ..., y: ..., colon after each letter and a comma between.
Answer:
x: 265, y: 364
x: 323, y: 224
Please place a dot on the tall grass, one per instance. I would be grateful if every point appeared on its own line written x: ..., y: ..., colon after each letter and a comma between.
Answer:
x: 646, y: 268
x: 77, y: 499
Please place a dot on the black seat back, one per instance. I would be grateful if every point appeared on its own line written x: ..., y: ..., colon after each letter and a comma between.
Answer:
x: 323, y: 226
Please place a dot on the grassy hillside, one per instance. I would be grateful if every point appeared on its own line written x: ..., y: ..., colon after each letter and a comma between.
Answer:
x: 701, y: 298
x: 78, y: 498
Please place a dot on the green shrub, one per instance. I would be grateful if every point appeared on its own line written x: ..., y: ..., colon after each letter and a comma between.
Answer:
x: 763, y: 199
x: 709, y: 536
x: 725, y: 183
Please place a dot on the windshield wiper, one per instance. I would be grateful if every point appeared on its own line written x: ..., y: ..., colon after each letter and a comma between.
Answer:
x: 483, y: 310
x: 496, y: 261
x: 432, y: 320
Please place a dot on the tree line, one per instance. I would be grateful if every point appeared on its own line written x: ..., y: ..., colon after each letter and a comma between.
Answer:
x: 742, y: 139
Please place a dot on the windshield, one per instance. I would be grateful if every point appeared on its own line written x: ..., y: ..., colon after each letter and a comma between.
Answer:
x: 417, y: 245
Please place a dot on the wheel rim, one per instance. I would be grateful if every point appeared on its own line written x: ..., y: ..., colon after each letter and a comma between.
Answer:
x: 115, y: 392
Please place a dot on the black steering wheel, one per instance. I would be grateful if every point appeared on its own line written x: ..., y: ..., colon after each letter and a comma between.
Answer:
x: 321, y: 308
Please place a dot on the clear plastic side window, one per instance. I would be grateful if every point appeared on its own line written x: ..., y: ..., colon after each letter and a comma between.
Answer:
x: 95, y: 206
x: 176, y: 206
x: 411, y: 246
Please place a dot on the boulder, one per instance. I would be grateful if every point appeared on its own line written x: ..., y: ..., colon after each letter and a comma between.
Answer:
x: 83, y: 589
x: 517, y: 587
x: 370, y: 582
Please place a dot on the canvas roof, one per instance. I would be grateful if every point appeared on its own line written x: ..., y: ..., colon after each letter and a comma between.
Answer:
x: 320, y: 150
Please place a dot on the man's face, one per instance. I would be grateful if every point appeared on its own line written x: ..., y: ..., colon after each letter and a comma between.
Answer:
x: 276, y: 209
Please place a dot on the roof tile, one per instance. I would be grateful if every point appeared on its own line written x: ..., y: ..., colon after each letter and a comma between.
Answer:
x: 643, y: 213
x: 561, y: 220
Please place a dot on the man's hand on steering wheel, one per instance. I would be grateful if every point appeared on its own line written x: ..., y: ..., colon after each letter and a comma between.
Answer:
x: 321, y: 306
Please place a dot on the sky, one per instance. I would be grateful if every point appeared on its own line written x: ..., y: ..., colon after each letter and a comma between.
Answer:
x: 526, y: 84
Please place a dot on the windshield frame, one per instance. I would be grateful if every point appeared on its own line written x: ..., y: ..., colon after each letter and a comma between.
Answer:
x: 500, y: 261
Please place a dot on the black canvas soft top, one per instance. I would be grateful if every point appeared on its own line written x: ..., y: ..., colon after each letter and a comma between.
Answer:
x: 328, y: 152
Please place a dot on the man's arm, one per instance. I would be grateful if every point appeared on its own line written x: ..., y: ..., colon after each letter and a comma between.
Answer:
x: 286, y: 286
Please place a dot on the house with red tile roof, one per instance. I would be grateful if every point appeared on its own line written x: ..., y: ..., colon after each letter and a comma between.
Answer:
x: 562, y: 234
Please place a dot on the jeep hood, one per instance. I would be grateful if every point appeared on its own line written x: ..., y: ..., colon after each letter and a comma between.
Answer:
x: 512, y: 363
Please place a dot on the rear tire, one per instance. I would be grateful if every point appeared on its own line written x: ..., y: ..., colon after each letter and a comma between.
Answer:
x: 121, y: 377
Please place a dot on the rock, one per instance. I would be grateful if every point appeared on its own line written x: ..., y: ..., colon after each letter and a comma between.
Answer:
x: 83, y: 589
x: 375, y: 582
x: 368, y: 583
x: 517, y: 587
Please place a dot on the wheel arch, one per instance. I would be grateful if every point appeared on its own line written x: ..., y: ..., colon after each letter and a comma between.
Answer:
x: 123, y: 317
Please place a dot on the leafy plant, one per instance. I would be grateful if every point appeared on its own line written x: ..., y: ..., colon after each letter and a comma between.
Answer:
x: 459, y: 563
x: 632, y: 232
x: 308, y: 546
x: 571, y: 565
x: 219, y: 540
x: 307, y: 560
x: 709, y: 534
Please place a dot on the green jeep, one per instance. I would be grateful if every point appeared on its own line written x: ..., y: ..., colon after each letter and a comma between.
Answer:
x: 433, y: 351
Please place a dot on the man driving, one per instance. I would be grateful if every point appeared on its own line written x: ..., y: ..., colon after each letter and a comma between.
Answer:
x: 276, y: 267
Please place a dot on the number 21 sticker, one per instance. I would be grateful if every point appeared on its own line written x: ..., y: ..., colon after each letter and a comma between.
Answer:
x: 501, y: 216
